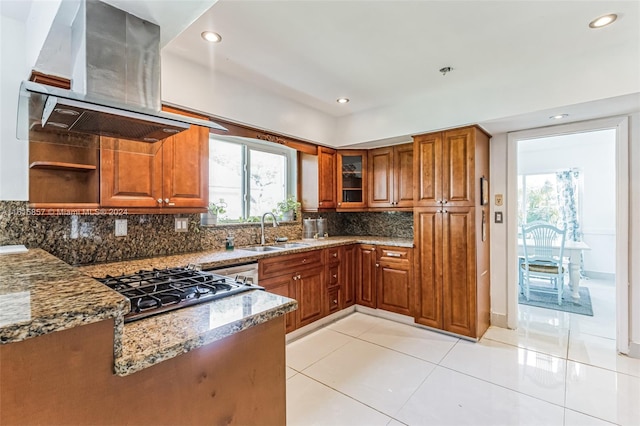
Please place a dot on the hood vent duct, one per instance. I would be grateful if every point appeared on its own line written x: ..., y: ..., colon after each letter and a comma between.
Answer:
x: 115, y: 85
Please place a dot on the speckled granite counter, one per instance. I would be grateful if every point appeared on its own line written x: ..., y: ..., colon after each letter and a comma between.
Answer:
x: 220, y: 258
x: 155, y: 339
x: 40, y: 294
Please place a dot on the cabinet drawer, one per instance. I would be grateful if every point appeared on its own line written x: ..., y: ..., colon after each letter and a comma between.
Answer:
x: 275, y: 266
x: 395, y: 254
x: 333, y: 300
x: 334, y: 276
x: 333, y: 255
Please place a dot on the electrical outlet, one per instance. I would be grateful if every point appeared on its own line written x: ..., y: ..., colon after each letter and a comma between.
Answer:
x: 182, y: 224
x: 121, y: 227
x: 498, y: 218
x: 499, y: 200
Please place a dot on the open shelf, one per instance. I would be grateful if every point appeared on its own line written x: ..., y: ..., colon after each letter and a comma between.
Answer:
x: 57, y: 165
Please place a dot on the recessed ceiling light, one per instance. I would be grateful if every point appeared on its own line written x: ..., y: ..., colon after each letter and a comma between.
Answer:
x: 603, y: 21
x: 559, y: 116
x: 211, y: 36
x: 342, y: 100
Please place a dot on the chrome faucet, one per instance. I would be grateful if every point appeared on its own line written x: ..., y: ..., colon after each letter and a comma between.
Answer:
x: 275, y: 223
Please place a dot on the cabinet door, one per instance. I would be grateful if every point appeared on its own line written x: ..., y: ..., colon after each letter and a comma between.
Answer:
x: 366, y: 280
x: 348, y: 276
x: 326, y: 178
x: 428, y: 231
x: 427, y: 175
x: 130, y: 177
x: 458, y: 159
x: 381, y: 177
x: 185, y: 174
x: 352, y: 179
x: 393, y: 282
x: 284, y: 286
x: 403, y: 175
x: 458, y: 270
x: 310, y: 292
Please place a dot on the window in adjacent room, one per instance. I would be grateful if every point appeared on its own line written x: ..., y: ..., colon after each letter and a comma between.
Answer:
x: 251, y: 176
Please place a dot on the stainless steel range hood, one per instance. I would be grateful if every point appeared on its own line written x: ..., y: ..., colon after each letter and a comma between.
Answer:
x: 115, y: 84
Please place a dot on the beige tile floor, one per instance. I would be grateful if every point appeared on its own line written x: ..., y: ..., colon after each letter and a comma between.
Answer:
x: 556, y: 369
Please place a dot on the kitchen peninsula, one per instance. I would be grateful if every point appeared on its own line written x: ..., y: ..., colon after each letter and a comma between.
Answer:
x: 63, y: 338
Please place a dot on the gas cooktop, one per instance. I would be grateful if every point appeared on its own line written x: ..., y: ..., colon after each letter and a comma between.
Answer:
x: 161, y: 290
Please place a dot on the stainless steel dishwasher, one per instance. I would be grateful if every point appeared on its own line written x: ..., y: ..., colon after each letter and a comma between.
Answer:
x: 246, y: 273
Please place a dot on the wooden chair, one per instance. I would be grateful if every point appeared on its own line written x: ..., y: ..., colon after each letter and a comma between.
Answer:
x: 540, y: 241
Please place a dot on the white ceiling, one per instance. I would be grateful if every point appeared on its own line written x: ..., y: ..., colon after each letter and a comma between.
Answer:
x: 515, y: 62
x: 384, y: 54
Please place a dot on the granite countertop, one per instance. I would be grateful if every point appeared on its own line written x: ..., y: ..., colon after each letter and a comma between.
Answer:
x: 40, y: 294
x: 220, y: 258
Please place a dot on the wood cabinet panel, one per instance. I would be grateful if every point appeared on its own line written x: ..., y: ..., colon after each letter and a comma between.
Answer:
x: 333, y: 300
x: 129, y: 178
x: 381, y: 177
x: 186, y: 168
x: 366, y: 279
x: 326, y: 177
x: 288, y: 264
x: 283, y: 285
x: 394, y: 284
x: 310, y: 292
x: 348, y: 275
x: 428, y: 226
x: 458, y: 167
x: 403, y: 175
x: 458, y: 271
x: 428, y: 169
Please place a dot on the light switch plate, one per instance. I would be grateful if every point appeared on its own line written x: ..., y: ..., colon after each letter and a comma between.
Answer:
x: 121, y: 227
x: 499, y: 200
x: 182, y: 224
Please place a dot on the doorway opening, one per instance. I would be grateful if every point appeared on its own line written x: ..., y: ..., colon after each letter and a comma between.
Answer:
x: 590, y: 159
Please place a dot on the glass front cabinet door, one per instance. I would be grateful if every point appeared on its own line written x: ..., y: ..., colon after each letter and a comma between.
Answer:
x: 352, y: 179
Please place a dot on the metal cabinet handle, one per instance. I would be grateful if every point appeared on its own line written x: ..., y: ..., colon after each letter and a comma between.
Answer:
x: 394, y: 254
x: 159, y: 200
x: 335, y: 302
x: 438, y: 211
x: 335, y: 275
x: 299, y: 276
x: 304, y: 260
x: 335, y: 254
x: 166, y: 200
x: 377, y: 265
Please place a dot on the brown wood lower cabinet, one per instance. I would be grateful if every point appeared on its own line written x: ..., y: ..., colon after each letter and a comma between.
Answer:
x: 348, y: 276
x: 366, y: 276
x: 394, y: 280
x: 283, y: 285
x: 66, y: 378
x: 310, y: 292
x: 453, y: 270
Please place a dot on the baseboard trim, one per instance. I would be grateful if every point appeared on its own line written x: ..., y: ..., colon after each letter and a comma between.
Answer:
x: 600, y: 275
x: 634, y: 350
x: 499, y: 320
x: 296, y: 334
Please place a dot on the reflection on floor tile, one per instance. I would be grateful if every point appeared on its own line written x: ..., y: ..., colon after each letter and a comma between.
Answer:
x: 424, y: 344
x: 309, y: 349
x: 533, y: 373
x: 601, y: 352
x: 312, y: 403
x: 603, y: 393
x: 367, y: 370
x: 377, y: 376
x: 451, y: 398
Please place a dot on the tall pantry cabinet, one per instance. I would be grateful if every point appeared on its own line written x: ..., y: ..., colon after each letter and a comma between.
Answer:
x: 451, y: 227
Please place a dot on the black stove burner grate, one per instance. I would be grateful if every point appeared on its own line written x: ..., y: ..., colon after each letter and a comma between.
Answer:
x: 161, y: 290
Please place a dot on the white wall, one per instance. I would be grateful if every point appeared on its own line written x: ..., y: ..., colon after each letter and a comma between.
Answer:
x: 14, y: 154
x: 191, y: 85
x: 593, y: 153
x: 500, y: 245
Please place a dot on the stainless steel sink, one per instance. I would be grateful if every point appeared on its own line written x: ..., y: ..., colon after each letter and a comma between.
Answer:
x: 260, y: 249
x: 292, y: 245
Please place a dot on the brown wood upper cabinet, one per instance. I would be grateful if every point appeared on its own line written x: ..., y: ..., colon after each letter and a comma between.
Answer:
x: 391, y: 176
x: 318, y: 180
x: 352, y: 179
x: 444, y: 171
x: 169, y: 174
